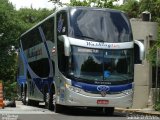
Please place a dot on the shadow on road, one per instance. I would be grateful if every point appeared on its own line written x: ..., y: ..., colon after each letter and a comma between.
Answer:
x: 89, y: 112
x: 77, y: 111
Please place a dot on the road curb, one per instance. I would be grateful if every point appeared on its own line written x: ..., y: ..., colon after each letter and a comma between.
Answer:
x: 138, y: 111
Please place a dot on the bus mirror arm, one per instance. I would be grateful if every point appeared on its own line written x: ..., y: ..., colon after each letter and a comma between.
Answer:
x: 141, y: 49
x: 66, y: 44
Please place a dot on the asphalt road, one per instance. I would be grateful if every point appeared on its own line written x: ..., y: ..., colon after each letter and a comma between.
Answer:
x: 22, y: 112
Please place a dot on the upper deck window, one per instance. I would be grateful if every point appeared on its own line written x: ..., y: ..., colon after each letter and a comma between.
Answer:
x: 99, y: 25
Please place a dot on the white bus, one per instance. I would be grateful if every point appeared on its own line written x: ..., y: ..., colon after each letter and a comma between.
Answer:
x: 81, y: 57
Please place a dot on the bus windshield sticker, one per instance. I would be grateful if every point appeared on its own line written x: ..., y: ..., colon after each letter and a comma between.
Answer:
x: 60, y: 23
x: 107, y: 73
x: 87, y: 50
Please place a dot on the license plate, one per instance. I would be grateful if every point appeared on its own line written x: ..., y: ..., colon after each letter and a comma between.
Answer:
x: 102, y: 101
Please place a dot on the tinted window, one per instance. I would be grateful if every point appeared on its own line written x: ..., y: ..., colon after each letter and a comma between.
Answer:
x: 40, y: 67
x: 62, y: 23
x: 61, y: 30
x: 97, y: 64
x: 48, y: 29
x: 31, y: 39
x: 98, y: 25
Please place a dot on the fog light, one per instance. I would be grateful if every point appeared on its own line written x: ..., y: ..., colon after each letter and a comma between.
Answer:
x: 72, y: 88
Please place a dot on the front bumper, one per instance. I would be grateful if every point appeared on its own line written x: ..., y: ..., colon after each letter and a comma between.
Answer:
x: 73, y: 98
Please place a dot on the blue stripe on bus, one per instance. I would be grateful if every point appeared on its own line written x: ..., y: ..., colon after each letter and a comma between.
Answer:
x: 47, y: 49
x: 93, y: 88
x: 41, y: 82
x: 21, y: 79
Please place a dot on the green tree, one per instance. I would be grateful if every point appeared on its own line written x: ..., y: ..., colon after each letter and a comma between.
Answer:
x: 29, y: 17
x: 95, y: 3
x: 131, y: 7
x: 8, y: 26
x: 152, y: 6
x: 12, y: 24
x: 88, y: 3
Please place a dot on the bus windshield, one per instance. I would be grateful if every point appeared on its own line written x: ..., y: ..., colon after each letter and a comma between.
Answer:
x: 101, y: 65
x: 98, y: 25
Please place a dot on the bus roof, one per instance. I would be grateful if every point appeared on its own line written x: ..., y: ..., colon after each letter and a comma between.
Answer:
x: 68, y: 8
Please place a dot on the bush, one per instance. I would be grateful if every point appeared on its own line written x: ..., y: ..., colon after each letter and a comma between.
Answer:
x: 157, y: 106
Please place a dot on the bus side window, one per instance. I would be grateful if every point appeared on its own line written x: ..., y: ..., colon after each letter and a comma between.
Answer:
x: 48, y: 29
x: 31, y: 39
x: 61, y: 30
x: 62, y: 27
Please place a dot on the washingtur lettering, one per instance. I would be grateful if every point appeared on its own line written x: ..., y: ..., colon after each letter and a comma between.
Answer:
x: 99, y: 44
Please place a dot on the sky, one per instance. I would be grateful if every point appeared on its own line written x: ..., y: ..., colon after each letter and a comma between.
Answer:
x: 34, y: 3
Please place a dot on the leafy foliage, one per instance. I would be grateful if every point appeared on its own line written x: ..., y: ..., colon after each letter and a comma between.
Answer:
x: 29, y: 17
x: 131, y: 7
x: 13, y: 23
x: 94, y: 3
x: 152, y: 6
x: 8, y: 27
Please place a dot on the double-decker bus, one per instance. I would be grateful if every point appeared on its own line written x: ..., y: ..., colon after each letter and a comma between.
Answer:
x: 78, y: 56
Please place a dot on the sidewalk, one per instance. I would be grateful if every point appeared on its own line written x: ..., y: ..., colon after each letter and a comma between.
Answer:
x: 145, y: 111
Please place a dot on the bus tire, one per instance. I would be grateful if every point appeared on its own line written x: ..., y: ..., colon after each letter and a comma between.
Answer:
x: 32, y: 103
x: 46, y: 95
x: 23, y: 98
x: 58, y: 108
x: 50, y: 102
x: 24, y: 95
x: 21, y: 95
x: 109, y: 111
x: 48, y: 99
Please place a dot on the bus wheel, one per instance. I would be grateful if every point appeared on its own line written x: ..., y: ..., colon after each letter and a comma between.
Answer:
x: 24, y: 96
x: 32, y: 102
x: 48, y: 99
x: 109, y: 111
x: 58, y: 108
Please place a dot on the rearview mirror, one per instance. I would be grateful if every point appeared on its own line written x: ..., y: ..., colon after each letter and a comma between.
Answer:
x: 65, y: 39
x: 139, y: 51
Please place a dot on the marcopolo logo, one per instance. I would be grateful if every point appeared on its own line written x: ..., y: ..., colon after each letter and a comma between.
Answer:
x: 103, y: 88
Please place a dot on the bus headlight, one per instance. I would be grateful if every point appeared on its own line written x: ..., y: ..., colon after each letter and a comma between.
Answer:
x: 128, y: 92
x: 72, y: 88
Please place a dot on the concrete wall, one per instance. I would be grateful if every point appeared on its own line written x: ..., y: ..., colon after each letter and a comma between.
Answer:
x: 145, y: 32
x: 141, y: 29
